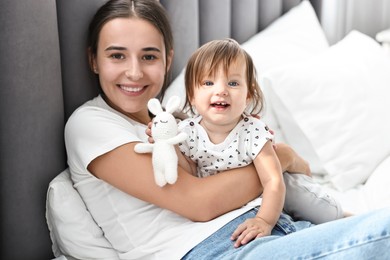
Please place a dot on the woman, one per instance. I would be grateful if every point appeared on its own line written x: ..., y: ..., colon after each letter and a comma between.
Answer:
x: 131, y: 50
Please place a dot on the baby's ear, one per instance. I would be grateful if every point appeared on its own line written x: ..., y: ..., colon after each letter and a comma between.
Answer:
x: 173, y: 104
x: 248, y: 99
x: 155, y: 106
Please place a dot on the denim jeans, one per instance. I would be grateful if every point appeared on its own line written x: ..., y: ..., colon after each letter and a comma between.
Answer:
x: 365, y: 236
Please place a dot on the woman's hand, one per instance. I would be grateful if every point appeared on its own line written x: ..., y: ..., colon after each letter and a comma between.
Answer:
x: 148, y: 132
x: 251, y: 229
x: 290, y: 160
x: 178, y: 115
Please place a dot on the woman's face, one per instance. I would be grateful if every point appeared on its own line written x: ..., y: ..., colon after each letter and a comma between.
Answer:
x: 131, y: 65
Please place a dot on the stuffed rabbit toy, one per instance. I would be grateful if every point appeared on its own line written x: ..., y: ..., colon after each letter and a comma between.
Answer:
x: 166, y: 136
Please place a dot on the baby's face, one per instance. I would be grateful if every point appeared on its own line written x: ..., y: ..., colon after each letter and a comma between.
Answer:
x: 222, y: 98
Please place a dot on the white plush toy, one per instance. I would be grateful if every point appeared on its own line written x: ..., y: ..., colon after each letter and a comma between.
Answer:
x: 165, y: 135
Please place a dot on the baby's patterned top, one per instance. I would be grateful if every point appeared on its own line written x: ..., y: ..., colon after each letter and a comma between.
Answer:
x: 239, y: 149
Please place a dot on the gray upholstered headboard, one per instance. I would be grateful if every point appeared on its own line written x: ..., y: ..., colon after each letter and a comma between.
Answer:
x: 44, y: 77
x: 194, y: 23
x: 192, y: 20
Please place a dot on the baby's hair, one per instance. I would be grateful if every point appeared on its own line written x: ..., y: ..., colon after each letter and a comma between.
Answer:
x: 207, y: 60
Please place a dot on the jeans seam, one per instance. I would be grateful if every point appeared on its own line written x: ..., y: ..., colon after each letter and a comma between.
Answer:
x: 349, y: 247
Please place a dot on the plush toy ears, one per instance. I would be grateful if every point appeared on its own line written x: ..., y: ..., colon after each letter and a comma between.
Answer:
x: 155, y: 106
x: 173, y: 104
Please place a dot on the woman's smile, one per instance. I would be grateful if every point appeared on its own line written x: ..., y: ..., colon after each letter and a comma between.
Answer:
x: 133, y: 90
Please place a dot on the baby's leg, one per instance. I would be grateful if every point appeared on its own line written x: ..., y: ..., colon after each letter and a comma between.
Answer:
x: 307, y: 200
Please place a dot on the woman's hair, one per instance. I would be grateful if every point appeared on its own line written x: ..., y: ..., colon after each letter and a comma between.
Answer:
x: 148, y: 10
x: 210, y: 57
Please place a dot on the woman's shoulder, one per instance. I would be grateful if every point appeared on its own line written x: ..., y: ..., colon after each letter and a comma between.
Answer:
x: 97, y: 111
x: 96, y: 117
x: 96, y: 104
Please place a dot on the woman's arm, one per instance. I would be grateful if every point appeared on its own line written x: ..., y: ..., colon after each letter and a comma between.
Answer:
x: 199, y: 199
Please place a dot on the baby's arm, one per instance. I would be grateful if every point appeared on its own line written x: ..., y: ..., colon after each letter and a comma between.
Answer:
x: 270, y: 172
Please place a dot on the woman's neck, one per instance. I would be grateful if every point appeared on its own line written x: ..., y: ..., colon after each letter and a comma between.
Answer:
x: 142, y: 117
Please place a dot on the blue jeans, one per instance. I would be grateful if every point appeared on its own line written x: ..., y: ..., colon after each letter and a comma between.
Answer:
x: 365, y: 236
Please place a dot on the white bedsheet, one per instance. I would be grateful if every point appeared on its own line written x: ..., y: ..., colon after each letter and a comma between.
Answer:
x: 374, y: 194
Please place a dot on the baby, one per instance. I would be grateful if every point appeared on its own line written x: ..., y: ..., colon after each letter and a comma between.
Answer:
x: 223, y: 92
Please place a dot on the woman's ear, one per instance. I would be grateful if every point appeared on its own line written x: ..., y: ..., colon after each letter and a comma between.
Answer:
x: 92, y: 62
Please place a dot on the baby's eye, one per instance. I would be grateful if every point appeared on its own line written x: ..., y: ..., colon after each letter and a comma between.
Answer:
x: 208, y: 83
x: 117, y: 56
x: 233, y: 84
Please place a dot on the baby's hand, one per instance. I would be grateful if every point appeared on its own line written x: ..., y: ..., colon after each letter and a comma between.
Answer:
x: 252, y: 228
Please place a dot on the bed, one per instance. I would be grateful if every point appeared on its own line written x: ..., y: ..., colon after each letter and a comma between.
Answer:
x: 326, y: 95
x: 328, y: 101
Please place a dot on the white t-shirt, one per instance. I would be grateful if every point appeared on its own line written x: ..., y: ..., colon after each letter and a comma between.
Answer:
x: 239, y: 148
x: 136, y: 229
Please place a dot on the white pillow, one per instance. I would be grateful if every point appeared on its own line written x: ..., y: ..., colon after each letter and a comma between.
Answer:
x: 295, y: 36
x: 72, y: 229
x: 376, y: 189
x: 340, y: 101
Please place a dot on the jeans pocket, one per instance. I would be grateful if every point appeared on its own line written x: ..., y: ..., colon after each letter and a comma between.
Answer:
x: 284, y: 226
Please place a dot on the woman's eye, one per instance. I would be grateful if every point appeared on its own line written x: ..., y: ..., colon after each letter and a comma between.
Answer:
x: 149, y: 57
x: 117, y: 56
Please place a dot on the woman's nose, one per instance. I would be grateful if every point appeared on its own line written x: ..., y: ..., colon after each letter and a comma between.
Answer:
x: 134, y: 71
